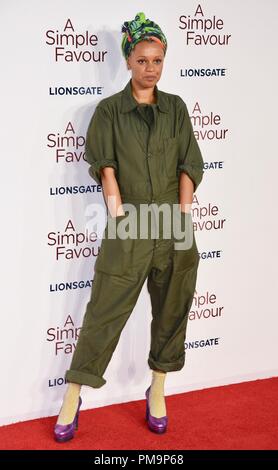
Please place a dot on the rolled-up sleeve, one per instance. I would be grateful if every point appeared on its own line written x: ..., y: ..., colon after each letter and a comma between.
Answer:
x: 190, y: 157
x: 99, y: 147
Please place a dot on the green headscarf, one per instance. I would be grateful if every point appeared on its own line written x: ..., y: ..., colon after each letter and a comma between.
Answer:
x: 138, y: 29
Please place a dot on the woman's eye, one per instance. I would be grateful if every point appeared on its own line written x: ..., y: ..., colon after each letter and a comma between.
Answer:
x: 143, y: 60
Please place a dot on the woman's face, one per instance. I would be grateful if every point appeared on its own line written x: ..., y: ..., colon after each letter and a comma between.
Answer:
x: 146, y: 63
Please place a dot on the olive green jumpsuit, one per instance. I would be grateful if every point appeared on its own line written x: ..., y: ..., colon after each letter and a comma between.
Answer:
x: 148, y: 146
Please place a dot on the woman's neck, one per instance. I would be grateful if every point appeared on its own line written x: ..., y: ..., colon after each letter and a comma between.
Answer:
x: 143, y: 95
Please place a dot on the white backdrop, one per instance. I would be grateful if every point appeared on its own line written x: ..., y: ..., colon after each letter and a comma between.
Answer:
x: 235, y: 215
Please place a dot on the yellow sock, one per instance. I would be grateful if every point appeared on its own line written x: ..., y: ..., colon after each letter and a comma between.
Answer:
x: 156, y: 397
x: 70, y: 404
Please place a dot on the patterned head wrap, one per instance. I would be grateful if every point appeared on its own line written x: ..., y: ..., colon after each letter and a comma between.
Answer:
x: 138, y: 29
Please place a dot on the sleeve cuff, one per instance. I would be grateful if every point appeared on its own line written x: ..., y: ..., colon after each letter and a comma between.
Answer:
x: 94, y: 169
x: 194, y: 172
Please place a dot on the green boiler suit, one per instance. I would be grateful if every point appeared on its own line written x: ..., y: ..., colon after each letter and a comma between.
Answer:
x: 148, y: 145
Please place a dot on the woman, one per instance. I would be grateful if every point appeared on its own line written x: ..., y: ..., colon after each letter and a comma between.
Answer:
x: 142, y: 150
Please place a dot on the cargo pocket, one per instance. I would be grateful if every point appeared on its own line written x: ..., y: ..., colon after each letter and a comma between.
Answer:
x: 184, y: 259
x: 115, y: 253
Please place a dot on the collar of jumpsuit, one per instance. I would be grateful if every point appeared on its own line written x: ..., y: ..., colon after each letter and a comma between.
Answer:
x: 129, y: 102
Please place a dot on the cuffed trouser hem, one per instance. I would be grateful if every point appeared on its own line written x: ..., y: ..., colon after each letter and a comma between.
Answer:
x: 82, y: 378
x: 166, y: 367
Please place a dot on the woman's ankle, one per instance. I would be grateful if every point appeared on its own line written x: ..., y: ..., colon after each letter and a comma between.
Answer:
x: 70, y: 404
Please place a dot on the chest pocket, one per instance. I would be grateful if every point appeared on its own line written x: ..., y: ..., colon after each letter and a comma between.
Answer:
x: 170, y: 155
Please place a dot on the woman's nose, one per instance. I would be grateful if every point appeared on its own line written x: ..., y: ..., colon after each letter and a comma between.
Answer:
x: 149, y: 67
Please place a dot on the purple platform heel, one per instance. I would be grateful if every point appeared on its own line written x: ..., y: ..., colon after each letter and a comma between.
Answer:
x: 65, y: 432
x: 158, y: 425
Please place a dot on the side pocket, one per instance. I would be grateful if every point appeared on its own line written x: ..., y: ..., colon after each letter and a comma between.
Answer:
x: 185, y: 259
x: 115, y: 253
